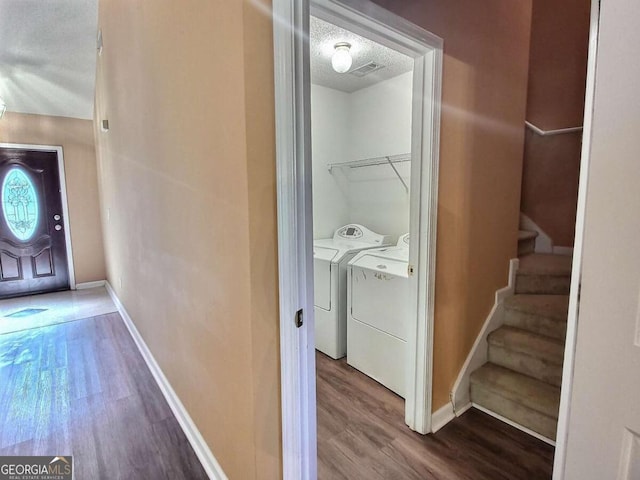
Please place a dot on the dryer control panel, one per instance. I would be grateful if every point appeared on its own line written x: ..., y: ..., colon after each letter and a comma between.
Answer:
x: 361, y: 234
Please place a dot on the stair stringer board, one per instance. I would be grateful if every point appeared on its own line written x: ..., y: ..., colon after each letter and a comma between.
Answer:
x: 460, y: 393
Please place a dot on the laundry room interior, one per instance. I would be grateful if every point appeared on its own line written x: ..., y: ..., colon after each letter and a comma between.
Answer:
x: 361, y: 120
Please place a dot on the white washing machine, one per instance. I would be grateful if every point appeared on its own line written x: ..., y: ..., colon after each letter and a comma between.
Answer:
x: 379, y: 313
x: 330, y: 259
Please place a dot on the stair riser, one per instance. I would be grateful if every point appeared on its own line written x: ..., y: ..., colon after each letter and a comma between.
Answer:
x: 526, y: 247
x: 543, y: 284
x: 531, y: 419
x: 526, y: 364
x: 534, y: 323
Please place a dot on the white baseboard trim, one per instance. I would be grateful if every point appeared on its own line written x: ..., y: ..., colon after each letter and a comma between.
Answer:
x: 478, y: 354
x: 514, y: 424
x: 463, y: 409
x: 88, y: 285
x: 204, y: 454
x: 441, y: 417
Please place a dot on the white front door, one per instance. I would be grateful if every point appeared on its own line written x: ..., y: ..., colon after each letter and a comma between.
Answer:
x: 604, y: 421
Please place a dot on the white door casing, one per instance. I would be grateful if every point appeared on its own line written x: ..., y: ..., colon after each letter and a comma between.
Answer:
x: 293, y: 158
x: 295, y: 242
x: 603, y: 415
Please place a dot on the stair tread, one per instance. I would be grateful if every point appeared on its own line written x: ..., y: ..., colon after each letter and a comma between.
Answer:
x: 555, y: 307
x: 545, y: 264
x: 527, y: 391
x: 526, y: 235
x: 548, y: 349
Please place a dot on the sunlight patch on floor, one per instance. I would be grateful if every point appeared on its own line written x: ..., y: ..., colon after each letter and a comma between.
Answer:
x: 35, y: 311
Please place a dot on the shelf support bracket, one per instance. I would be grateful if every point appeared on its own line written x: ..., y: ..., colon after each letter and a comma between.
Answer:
x: 398, y: 174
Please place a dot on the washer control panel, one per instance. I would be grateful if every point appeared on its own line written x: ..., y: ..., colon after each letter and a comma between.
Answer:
x: 350, y: 232
x: 354, y: 231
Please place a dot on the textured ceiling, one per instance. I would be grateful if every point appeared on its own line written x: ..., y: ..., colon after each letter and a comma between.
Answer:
x: 323, y: 38
x: 48, y: 56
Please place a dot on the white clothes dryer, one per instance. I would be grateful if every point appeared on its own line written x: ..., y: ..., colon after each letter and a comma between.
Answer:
x: 330, y: 259
x: 378, y: 314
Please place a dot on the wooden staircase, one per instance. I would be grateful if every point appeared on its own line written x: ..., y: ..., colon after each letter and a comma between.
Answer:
x: 521, y: 380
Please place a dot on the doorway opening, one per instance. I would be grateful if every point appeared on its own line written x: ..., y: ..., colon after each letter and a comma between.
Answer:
x: 371, y: 190
x: 375, y: 193
x: 385, y: 172
x: 366, y: 189
x: 361, y: 144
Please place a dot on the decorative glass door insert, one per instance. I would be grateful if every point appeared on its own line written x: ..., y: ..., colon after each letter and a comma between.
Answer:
x: 20, y: 204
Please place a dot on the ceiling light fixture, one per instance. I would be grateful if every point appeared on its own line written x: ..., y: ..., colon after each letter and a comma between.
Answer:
x: 341, y: 59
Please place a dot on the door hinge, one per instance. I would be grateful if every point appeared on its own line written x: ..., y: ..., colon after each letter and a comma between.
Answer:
x: 410, y: 270
x: 299, y: 319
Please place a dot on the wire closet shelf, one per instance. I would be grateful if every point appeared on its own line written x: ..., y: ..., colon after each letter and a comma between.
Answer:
x: 370, y: 162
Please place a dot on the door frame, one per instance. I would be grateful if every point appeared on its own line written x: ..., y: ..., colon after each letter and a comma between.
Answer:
x: 63, y: 193
x: 295, y: 222
x: 560, y: 457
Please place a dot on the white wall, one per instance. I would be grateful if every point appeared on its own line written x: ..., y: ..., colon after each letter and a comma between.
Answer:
x: 380, y: 118
x: 372, y: 122
x: 329, y: 124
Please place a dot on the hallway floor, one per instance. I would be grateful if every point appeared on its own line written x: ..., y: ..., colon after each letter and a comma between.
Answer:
x: 362, y: 435
x: 82, y: 388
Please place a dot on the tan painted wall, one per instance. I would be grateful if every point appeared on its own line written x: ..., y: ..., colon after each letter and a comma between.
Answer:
x: 558, y: 63
x: 263, y: 256
x: 187, y: 171
x: 486, y: 47
x: 189, y: 202
x: 550, y: 183
x: 76, y: 138
x: 557, y: 76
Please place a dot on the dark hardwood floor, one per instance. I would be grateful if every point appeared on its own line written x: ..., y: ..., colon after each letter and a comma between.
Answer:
x: 362, y: 435
x: 81, y: 388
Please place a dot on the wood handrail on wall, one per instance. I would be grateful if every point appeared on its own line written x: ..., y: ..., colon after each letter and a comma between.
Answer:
x: 546, y: 133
